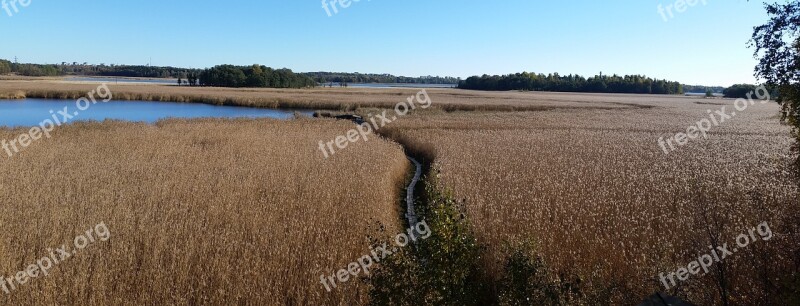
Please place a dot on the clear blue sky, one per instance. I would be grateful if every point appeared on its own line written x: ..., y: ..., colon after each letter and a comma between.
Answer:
x: 706, y: 44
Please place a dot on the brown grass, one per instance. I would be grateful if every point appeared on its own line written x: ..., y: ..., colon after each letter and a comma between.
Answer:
x: 328, y: 98
x: 200, y: 212
x: 594, y: 191
x: 580, y: 174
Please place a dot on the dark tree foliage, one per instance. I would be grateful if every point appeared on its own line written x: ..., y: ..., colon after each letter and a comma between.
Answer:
x: 98, y: 70
x: 138, y: 71
x: 527, y: 281
x: 342, y: 77
x: 5, y: 67
x: 253, y: 76
x: 131, y: 71
x: 443, y: 269
x: 29, y: 69
x: 256, y: 80
x: 702, y: 89
x: 777, y: 46
x: 36, y: 70
x: 739, y: 91
x: 572, y: 83
x: 194, y: 79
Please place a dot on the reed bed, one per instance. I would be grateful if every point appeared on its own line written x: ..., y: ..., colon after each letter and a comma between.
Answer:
x: 598, y: 197
x: 216, y: 212
x: 246, y: 211
x: 342, y: 99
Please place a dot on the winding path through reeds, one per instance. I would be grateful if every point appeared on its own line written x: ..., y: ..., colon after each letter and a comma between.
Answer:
x: 410, y: 214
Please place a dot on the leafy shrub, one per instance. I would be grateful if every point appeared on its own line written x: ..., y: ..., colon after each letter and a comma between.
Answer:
x: 527, y: 282
x: 440, y: 270
x: 446, y: 269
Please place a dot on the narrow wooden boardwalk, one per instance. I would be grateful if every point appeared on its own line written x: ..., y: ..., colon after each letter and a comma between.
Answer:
x: 410, y: 214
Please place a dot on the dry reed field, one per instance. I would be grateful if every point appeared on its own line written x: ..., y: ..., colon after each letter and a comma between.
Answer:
x: 248, y: 211
x: 318, y: 98
x: 215, y: 212
x: 594, y: 191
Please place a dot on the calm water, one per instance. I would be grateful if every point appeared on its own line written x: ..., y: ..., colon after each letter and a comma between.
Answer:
x: 112, y: 80
x: 393, y: 85
x: 30, y: 112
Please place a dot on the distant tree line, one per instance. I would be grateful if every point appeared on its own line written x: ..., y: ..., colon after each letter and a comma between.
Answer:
x: 572, y: 83
x: 222, y: 75
x: 75, y: 68
x: 284, y: 78
x: 342, y: 77
x: 36, y: 70
x: 741, y: 91
x: 91, y: 70
x: 142, y: 71
x: 132, y: 71
x: 703, y: 89
x: 253, y: 76
x: 29, y: 69
x: 738, y: 91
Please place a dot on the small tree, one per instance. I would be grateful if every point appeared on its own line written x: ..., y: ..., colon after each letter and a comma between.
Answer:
x: 180, y: 81
x: 709, y: 93
x: 777, y: 46
x: 443, y: 269
x: 191, y: 78
x: 527, y: 281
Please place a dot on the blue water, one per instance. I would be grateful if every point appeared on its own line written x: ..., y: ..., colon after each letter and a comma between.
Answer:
x: 112, y: 80
x: 392, y: 85
x: 30, y: 112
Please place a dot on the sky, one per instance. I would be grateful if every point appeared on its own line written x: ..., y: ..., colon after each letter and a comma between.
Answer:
x: 704, y: 44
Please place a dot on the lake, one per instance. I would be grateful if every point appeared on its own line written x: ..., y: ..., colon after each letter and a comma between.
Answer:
x: 392, y: 85
x: 30, y: 112
x: 112, y: 80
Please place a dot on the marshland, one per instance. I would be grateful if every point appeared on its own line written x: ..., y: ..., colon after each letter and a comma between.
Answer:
x: 205, y: 183
x: 226, y: 200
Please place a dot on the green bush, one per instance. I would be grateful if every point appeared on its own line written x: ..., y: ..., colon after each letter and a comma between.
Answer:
x: 446, y: 269
x: 527, y: 282
x: 440, y: 270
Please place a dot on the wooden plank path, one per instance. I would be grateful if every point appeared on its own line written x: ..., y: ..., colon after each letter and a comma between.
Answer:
x: 410, y: 214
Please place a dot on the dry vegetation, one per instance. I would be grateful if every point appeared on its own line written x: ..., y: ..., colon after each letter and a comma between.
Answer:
x: 229, y: 211
x: 600, y: 199
x: 200, y: 212
x: 319, y: 98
